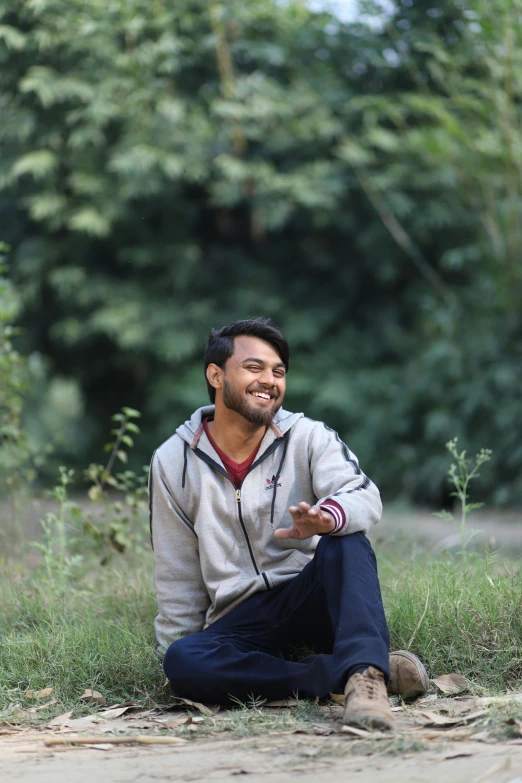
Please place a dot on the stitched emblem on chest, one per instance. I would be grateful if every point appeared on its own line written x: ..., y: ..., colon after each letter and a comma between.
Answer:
x: 271, y: 483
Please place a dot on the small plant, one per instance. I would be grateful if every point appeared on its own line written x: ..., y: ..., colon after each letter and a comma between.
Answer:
x: 59, y: 565
x: 116, y: 527
x: 460, y: 474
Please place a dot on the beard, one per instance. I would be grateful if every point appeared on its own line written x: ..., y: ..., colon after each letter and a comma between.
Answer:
x: 239, y: 403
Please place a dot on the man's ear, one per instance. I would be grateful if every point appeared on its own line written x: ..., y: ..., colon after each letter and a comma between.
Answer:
x: 215, y: 376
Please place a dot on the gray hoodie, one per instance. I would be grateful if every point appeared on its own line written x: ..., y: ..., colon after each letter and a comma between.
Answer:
x: 214, y: 545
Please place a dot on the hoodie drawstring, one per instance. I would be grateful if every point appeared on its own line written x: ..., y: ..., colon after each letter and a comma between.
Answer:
x: 278, y: 473
x: 185, y: 447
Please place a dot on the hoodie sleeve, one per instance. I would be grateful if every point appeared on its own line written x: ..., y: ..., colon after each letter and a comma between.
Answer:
x: 337, y: 477
x: 181, y: 594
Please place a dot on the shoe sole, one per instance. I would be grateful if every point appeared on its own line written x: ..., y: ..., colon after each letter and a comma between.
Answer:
x: 411, y: 694
x: 370, y: 722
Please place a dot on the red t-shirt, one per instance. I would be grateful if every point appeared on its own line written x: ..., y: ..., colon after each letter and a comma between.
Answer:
x: 236, y: 470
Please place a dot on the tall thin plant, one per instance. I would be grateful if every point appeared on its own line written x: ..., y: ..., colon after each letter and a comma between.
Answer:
x: 59, y: 565
x: 460, y: 473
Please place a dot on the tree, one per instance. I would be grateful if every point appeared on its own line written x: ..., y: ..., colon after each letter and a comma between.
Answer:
x: 171, y: 167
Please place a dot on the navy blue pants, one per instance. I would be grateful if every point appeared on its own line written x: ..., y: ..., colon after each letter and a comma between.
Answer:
x: 333, y: 606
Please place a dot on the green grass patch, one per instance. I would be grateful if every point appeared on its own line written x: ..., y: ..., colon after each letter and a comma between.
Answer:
x: 460, y: 613
x: 97, y: 635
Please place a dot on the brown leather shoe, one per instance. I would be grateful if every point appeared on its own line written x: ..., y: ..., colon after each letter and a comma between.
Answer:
x: 408, y: 677
x: 366, y: 701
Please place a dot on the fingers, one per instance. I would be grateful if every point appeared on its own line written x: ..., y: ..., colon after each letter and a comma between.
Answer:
x: 303, y: 509
x: 308, y: 521
x: 305, y: 513
x: 289, y: 532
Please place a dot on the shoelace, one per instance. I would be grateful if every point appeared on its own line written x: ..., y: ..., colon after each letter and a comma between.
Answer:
x: 366, y: 685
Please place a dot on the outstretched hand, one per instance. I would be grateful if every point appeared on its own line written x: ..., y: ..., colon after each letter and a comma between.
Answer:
x: 308, y: 521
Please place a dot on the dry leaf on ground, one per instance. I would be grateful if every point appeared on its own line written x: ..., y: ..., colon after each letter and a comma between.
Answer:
x: 451, y: 683
x: 115, y: 712
x: 131, y: 705
x: 60, y: 720
x: 43, y: 706
x: 338, y: 698
x: 206, y: 709
x: 93, y: 697
x: 39, y: 694
x: 435, y: 718
x: 171, y: 723
x: 144, y: 724
x: 426, y: 700
x: 77, y: 724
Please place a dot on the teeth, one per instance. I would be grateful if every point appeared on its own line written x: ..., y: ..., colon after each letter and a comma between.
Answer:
x: 263, y: 396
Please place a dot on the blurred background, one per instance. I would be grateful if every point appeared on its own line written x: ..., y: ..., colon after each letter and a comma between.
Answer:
x: 352, y: 170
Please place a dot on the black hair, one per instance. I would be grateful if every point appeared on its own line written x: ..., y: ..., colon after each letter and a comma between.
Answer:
x: 220, y: 346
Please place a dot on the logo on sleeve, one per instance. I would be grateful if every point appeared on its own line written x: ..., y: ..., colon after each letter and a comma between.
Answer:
x: 271, y: 483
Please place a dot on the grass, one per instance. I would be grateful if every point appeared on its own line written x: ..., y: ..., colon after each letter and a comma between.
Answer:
x: 458, y: 613
x: 98, y: 635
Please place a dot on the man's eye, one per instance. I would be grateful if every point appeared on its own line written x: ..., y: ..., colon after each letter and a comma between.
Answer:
x: 253, y: 367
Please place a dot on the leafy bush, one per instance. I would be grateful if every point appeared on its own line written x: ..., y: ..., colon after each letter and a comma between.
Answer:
x: 167, y: 171
x: 16, y: 452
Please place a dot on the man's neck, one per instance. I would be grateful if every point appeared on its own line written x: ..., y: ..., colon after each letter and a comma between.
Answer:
x: 234, y: 435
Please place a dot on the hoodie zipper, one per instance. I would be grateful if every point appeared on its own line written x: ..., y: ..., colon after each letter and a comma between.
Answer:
x: 214, y: 464
x: 238, y: 500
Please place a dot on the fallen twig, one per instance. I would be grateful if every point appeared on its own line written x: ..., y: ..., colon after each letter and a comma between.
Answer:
x: 138, y: 740
x: 355, y: 731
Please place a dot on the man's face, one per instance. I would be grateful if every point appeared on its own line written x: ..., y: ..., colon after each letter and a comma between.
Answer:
x: 254, y: 380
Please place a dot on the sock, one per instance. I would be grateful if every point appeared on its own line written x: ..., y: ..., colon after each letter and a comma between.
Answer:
x: 357, y: 669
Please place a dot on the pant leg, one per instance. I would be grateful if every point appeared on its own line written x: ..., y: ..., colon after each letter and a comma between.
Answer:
x: 237, y: 656
x: 344, y: 569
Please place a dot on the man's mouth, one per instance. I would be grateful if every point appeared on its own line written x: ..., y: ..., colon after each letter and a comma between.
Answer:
x: 261, y: 395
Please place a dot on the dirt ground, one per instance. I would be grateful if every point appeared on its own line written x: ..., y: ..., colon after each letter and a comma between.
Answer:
x: 278, y: 761
x: 458, y: 752
x: 498, y: 529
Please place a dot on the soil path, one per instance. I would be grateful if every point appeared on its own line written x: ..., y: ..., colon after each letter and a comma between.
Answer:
x: 436, y: 739
x: 497, y: 529
x: 276, y: 759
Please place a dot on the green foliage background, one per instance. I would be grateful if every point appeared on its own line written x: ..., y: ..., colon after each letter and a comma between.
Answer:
x: 168, y: 167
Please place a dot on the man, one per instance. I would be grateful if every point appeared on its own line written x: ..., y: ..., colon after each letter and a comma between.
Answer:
x: 259, y: 520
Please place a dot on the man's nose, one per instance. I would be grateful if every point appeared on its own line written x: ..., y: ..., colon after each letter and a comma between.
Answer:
x: 267, y: 378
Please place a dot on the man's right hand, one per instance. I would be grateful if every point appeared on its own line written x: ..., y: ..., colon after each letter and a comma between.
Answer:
x: 308, y: 521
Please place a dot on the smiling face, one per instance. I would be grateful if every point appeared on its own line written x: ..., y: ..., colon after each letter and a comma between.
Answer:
x: 253, y: 382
